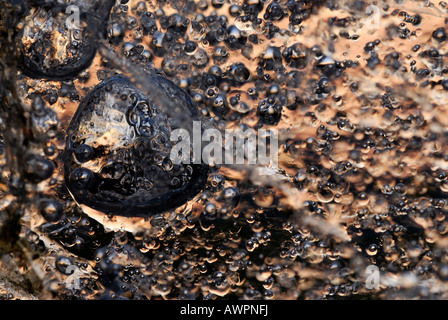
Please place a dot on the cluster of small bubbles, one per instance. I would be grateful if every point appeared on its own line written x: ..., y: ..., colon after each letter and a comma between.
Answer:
x: 269, y: 111
x: 78, y: 233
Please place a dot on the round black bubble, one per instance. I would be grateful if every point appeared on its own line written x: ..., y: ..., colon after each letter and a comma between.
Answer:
x: 81, y: 179
x: 51, y: 209
x: 440, y: 35
x: 117, y: 157
x: 38, y: 168
x: 64, y: 265
x: 83, y: 153
x: 240, y: 73
x: 54, y: 44
x: 274, y: 11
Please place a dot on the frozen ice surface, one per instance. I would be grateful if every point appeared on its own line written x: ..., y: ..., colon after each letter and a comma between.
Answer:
x: 357, y: 208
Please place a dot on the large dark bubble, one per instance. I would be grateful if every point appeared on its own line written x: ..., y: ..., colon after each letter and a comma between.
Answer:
x: 117, y: 158
x: 58, y: 41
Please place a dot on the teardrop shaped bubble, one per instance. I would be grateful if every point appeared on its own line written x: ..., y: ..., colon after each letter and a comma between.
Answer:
x: 58, y: 40
x: 117, y: 157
